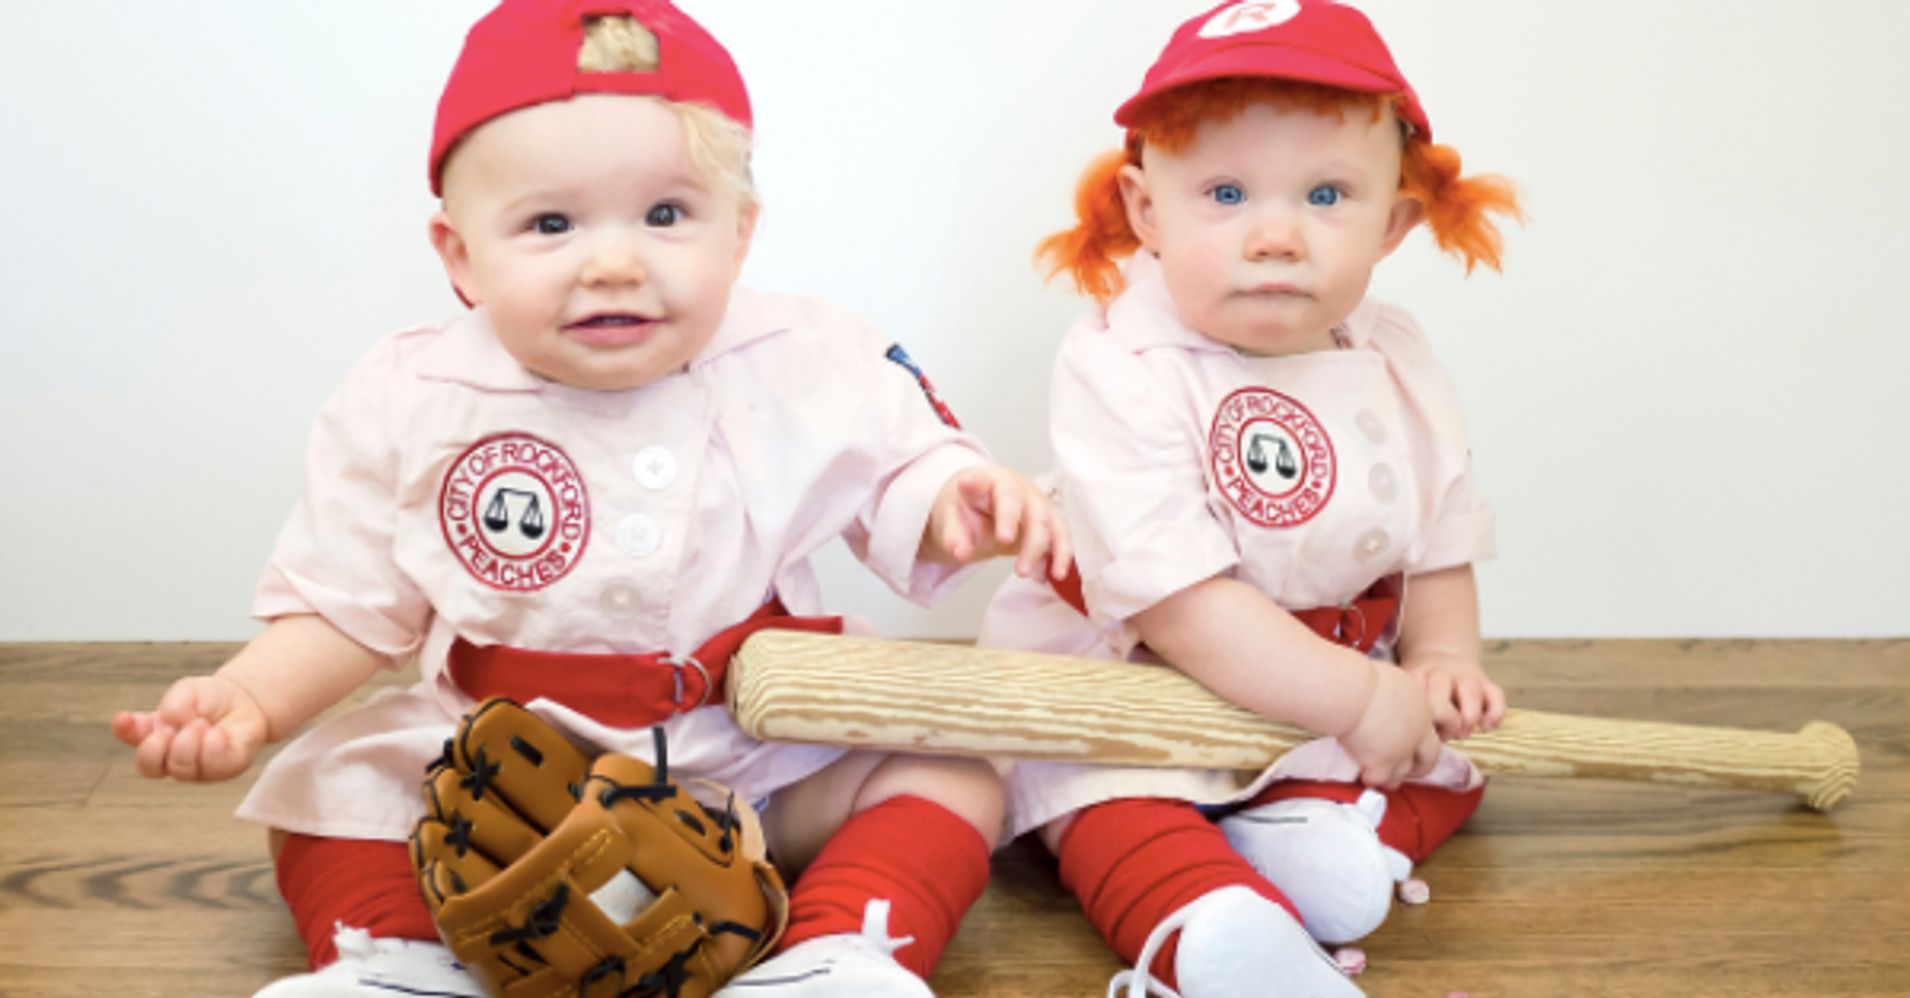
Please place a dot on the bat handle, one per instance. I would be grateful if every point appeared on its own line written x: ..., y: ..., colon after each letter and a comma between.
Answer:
x: 1818, y: 763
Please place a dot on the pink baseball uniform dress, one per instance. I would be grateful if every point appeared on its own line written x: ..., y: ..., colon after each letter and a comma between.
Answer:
x: 454, y: 498
x: 1313, y: 477
x: 1321, y: 479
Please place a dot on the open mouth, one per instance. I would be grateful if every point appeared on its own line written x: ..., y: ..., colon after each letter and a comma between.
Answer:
x: 611, y: 330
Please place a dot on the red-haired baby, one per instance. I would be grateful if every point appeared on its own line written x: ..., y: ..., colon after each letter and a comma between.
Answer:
x: 1268, y: 485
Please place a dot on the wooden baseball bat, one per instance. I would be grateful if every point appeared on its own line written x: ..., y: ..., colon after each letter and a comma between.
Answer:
x: 960, y: 700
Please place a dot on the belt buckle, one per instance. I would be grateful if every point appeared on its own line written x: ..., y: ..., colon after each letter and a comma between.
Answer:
x: 676, y: 664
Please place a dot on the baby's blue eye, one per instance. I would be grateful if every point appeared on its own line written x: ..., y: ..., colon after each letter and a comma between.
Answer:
x: 551, y: 224
x: 1227, y: 194
x: 1324, y: 196
x: 663, y: 215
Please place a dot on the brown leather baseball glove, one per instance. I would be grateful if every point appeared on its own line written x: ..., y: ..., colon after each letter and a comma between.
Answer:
x: 551, y: 874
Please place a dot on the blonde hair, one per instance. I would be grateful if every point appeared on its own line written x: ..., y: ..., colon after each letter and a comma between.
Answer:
x: 719, y: 145
x: 617, y: 45
x: 1457, y: 208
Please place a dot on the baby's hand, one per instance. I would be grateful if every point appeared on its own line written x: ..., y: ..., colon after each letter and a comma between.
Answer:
x: 206, y: 728
x: 990, y: 510
x: 1394, y: 740
x: 1462, y: 699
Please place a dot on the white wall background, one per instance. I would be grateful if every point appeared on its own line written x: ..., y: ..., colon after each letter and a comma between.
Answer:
x: 1688, y: 393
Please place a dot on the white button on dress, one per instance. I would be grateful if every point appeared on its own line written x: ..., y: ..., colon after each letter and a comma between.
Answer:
x: 1370, y: 424
x: 619, y: 600
x: 639, y: 535
x: 654, y: 468
x: 1384, y: 482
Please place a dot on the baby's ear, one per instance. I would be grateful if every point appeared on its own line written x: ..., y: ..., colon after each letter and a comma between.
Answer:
x: 1139, y: 202
x: 1407, y: 212
x: 455, y: 255
x: 746, y: 216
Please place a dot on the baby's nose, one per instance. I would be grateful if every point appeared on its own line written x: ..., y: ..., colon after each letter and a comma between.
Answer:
x: 1275, y: 235
x: 614, y: 260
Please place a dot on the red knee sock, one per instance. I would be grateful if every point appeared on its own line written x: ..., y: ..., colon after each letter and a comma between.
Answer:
x: 929, y: 863
x: 363, y: 884
x: 1418, y: 817
x: 1134, y: 862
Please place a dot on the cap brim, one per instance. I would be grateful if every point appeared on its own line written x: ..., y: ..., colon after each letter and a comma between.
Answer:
x: 1263, y: 61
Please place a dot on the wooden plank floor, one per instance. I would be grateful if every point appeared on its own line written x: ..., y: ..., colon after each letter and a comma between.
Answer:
x: 111, y: 884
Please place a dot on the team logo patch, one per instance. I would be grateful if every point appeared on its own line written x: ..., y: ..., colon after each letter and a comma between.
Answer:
x: 1271, y: 458
x: 901, y: 356
x: 514, y: 511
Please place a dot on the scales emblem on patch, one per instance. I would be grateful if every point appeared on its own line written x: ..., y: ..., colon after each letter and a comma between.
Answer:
x: 1271, y: 458
x: 514, y: 511
x: 901, y: 356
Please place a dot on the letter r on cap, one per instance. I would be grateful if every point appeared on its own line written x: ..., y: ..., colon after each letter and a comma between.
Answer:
x: 1244, y: 17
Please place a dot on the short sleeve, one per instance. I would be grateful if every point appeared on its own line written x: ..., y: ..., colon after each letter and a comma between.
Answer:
x: 1131, y: 477
x: 1462, y: 528
x: 887, y: 534
x: 861, y: 448
x: 1459, y: 525
x: 335, y: 557
x: 918, y: 450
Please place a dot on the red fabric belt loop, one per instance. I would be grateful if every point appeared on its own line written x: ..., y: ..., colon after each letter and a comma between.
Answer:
x: 624, y: 691
x: 1359, y: 624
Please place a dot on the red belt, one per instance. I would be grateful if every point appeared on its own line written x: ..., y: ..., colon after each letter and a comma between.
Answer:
x: 1359, y: 624
x: 625, y: 691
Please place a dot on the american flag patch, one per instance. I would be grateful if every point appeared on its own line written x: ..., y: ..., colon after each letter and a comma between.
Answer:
x: 901, y: 356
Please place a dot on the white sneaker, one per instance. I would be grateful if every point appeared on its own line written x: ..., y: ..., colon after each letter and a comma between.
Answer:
x: 385, y: 968
x: 1236, y: 944
x: 848, y: 963
x: 1326, y: 858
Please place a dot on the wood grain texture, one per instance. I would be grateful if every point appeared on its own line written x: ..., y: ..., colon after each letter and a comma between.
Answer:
x: 914, y: 696
x: 111, y: 883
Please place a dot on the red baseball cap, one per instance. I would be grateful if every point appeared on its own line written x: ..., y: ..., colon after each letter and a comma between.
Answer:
x: 1312, y: 41
x: 524, y: 52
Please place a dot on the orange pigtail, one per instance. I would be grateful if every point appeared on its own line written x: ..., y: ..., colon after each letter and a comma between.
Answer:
x: 1457, y: 207
x: 1101, y: 235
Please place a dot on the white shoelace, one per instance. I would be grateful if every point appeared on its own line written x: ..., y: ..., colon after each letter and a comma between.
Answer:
x: 875, y: 928
x: 1139, y: 976
x: 352, y: 942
